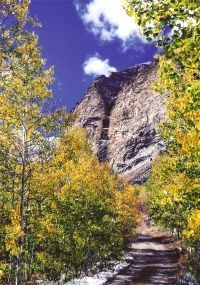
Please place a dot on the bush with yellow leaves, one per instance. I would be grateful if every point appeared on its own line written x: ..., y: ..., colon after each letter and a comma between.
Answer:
x: 87, y: 217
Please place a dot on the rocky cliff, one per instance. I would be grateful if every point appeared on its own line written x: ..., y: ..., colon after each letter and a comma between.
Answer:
x: 121, y: 114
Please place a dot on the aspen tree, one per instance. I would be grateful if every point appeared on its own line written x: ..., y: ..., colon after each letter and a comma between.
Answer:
x: 174, y: 182
x: 24, y: 130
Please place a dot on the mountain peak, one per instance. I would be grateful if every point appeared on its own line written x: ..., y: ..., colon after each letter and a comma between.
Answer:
x: 121, y: 115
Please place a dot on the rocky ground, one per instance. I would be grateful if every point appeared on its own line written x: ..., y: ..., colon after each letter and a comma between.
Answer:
x: 156, y: 258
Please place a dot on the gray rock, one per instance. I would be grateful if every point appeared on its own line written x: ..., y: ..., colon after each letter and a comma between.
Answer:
x: 121, y: 114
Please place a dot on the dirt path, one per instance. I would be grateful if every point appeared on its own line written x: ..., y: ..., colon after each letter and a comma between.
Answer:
x: 156, y: 258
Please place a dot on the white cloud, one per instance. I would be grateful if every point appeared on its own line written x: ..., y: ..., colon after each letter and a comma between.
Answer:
x: 96, y: 66
x: 108, y: 20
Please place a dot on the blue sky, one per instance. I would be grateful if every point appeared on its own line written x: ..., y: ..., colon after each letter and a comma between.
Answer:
x: 85, y: 38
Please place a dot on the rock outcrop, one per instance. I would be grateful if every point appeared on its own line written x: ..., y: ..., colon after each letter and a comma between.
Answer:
x: 121, y: 113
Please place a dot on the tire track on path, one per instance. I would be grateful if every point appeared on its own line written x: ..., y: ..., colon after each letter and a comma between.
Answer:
x: 156, y: 258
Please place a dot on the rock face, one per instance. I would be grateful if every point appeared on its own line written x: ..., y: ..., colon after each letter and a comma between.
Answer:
x: 120, y: 114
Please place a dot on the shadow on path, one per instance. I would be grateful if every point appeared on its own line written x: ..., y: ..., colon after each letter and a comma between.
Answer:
x: 156, y: 259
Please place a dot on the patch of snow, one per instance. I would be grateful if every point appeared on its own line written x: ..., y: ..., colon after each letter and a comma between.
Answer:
x: 99, y: 278
x: 187, y: 279
x: 129, y: 257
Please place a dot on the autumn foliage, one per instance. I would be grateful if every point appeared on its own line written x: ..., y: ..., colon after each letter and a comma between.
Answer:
x: 61, y: 211
x: 173, y: 187
x: 86, y: 219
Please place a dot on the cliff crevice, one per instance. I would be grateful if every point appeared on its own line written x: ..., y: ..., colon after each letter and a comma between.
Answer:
x: 121, y: 114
